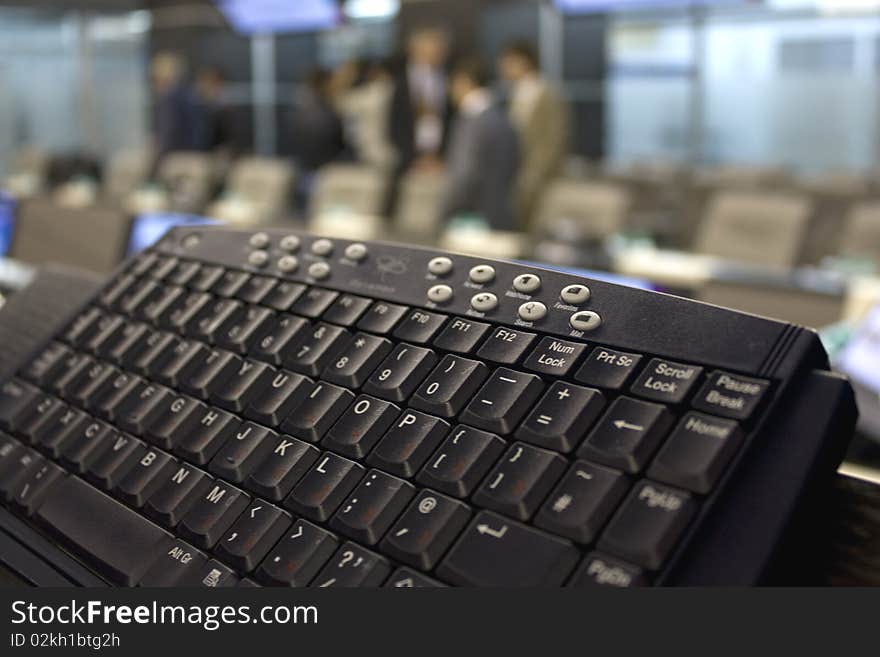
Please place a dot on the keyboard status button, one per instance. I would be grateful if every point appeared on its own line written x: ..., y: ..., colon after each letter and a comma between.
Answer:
x: 440, y: 294
x: 527, y: 283
x: 482, y: 274
x: 484, y: 302
x: 731, y: 395
x: 290, y: 243
x: 585, y: 320
x: 356, y: 252
x: 575, y: 294
x: 440, y: 266
x: 319, y: 271
x: 322, y: 247
x: 665, y: 381
x: 533, y: 311
x: 288, y: 264
x: 258, y: 258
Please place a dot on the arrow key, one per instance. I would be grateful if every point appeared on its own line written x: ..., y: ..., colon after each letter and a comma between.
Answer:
x: 628, y: 435
x: 496, y: 552
x: 252, y: 535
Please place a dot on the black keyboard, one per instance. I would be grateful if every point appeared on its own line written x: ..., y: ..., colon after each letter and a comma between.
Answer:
x: 278, y: 409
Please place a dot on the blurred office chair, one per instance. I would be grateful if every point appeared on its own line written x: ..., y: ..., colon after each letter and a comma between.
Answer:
x: 765, y: 228
x: 418, y: 209
x: 834, y: 194
x: 90, y: 238
x: 347, y: 201
x: 861, y: 235
x: 258, y: 190
x: 583, y: 211
x: 27, y: 178
x: 188, y: 180
x: 126, y: 172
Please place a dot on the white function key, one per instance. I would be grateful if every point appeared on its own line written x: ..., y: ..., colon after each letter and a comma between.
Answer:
x: 532, y: 311
x: 440, y: 266
x: 259, y: 240
x: 484, y: 302
x: 527, y: 283
x: 322, y: 247
x: 440, y: 294
x: 585, y: 320
x: 575, y: 294
x: 482, y: 274
x: 319, y: 270
x: 290, y: 243
x: 258, y: 258
x: 288, y: 264
x: 356, y: 252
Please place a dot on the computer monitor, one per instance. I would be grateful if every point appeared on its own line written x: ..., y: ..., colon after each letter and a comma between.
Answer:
x: 7, y: 222
x: 148, y: 228
x: 860, y: 359
x: 273, y: 16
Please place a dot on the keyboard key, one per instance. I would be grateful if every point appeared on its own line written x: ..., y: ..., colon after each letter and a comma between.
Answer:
x: 152, y: 350
x: 81, y: 329
x: 41, y: 368
x: 35, y: 414
x: 114, y: 462
x: 159, y: 304
x: 297, y: 557
x: 583, y: 501
x: 24, y: 461
x: 731, y: 395
x: 240, y: 333
x: 357, y: 360
x: 520, y: 481
x: 245, y: 383
x: 163, y: 268
x: 179, y: 561
x: 183, y: 273
x: 506, y: 346
x: 206, y: 278
x: 353, y: 566
x: 283, y: 296
x: 118, y: 542
x: 401, y: 372
x: 229, y: 283
x: 280, y: 333
x: 495, y: 551
x: 168, y: 419
x: 648, y: 525
x: 184, y: 311
x: 562, y: 417
x: 55, y: 431
x: 241, y: 454
x: 179, y: 489
x: 381, y: 318
x: 697, y: 452
x: 205, y: 432
x: 133, y: 413
x: 461, y: 335
x: 314, y: 350
x: 450, y: 386
x: 252, y: 536
x: 15, y: 396
x: 209, y: 372
x: 361, y: 426
x: 419, y: 327
x: 666, y: 382
x: 608, y: 369
x: 283, y: 467
x: 318, y: 412
x: 177, y: 363
x: 408, y: 443
x: 103, y: 329
x: 213, y: 514
x: 145, y: 478
x: 426, y: 529
x: 84, y: 390
x: 503, y: 400
x: 313, y: 303
x: 211, y: 574
x: 324, y: 487
x: 346, y: 310
x: 256, y: 289
x: 90, y: 438
x: 284, y: 392
x: 462, y: 461
x: 554, y: 357
x: 628, y: 434
x: 111, y: 294
x: 601, y: 570
x: 30, y: 490
x: 406, y: 578
x: 70, y: 371
x: 371, y: 508
x: 209, y: 324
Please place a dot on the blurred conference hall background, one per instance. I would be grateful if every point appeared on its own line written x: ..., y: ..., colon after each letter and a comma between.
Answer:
x: 724, y: 150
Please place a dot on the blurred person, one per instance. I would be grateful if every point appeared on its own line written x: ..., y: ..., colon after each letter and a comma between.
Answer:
x: 176, y: 114
x: 362, y: 93
x: 540, y: 117
x: 483, y: 157
x: 218, y: 131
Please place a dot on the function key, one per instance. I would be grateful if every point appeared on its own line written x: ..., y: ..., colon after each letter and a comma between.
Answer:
x: 290, y: 243
x: 230, y: 283
x: 506, y: 345
x: 575, y: 294
x: 731, y: 395
x: 314, y: 303
x: 461, y: 335
x: 322, y: 247
x: 533, y: 311
x: 482, y: 274
x: 256, y: 289
x: 554, y: 357
x: 527, y: 283
x: 184, y: 273
x: 440, y: 266
x: 356, y: 252
x: 319, y: 271
x: 346, y: 310
x: 697, y: 452
x: 649, y: 524
x: 284, y: 295
x: 628, y: 435
x: 419, y: 327
x: 144, y: 263
x: 259, y: 240
x: 484, y: 302
x: 163, y: 267
x: 599, y: 570
x: 206, y: 278
x: 665, y: 381
x: 608, y: 368
x: 440, y: 294
x: 382, y: 317
x: 585, y: 320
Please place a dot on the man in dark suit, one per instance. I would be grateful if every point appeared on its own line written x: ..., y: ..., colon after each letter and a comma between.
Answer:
x: 483, y: 155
